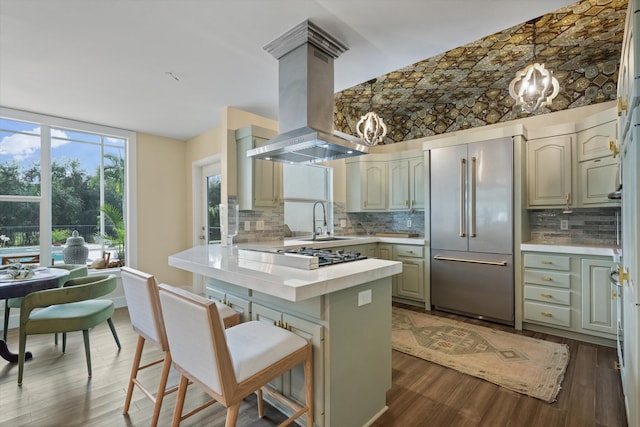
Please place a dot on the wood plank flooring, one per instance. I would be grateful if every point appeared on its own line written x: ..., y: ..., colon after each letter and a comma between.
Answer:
x: 57, y: 392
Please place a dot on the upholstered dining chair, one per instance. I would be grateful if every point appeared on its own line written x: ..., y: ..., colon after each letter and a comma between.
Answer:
x: 233, y: 363
x: 143, y: 302
x: 73, y: 307
x: 75, y: 270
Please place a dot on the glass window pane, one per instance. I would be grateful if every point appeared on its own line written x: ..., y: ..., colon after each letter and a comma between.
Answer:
x: 19, y: 228
x: 19, y: 158
x: 214, y: 184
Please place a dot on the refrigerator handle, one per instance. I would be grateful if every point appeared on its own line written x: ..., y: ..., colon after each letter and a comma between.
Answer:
x: 472, y: 199
x: 463, y: 171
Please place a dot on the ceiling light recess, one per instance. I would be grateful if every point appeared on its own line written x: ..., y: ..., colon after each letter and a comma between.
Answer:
x: 534, y: 87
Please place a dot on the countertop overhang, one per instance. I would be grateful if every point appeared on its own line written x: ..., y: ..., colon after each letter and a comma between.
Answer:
x: 222, y: 263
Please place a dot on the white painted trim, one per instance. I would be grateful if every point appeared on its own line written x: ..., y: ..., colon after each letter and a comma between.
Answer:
x: 197, y: 168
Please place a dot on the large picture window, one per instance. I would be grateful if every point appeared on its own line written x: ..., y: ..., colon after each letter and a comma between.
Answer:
x: 58, y: 176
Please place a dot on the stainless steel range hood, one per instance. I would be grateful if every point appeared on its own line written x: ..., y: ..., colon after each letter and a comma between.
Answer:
x: 305, y: 57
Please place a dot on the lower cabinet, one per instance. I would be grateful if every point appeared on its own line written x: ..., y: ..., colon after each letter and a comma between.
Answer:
x: 570, y: 292
x: 292, y: 384
x: 410, y: 283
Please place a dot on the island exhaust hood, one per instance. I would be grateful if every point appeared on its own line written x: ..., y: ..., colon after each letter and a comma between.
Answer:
x: 305, y: 57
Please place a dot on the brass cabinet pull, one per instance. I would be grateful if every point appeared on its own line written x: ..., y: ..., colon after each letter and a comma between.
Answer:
x: 622, y: 106
x: 547, y: 279
x: 545, y: 314
x: 614, y: 147
x: 546, y: 262
x: 546, y: 295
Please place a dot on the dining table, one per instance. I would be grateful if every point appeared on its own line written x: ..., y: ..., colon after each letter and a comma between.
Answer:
x: 43, y: 278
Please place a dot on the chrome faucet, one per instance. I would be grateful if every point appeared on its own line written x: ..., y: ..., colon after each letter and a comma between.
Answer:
x: 324, y: 216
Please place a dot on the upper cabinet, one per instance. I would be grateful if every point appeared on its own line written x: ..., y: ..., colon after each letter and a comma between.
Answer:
x: 549, y: 171
x: 366, y: 186
x: 406, y: 184
x: 385, y: 182
x: 259, y: 181
x: 573, y: 165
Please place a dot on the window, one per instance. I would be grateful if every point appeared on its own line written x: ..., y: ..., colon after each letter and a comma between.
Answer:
x: 57, y: 176
x: 304, y: 185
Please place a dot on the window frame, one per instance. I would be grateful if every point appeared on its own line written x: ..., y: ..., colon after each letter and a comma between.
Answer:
x: 46, y: 122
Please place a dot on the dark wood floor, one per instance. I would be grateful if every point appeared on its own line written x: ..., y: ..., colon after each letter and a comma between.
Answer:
x: 57, y: 392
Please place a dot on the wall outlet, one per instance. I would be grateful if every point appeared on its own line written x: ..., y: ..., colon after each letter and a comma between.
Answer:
x: 343, y: 223
x: 364, y: 297
x: 408, y: 223
x: 564, y: 224
x: 259, y: 225
x: 247, y: 226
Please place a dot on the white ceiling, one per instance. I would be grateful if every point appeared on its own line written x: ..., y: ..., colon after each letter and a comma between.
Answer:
x: 168, y: 67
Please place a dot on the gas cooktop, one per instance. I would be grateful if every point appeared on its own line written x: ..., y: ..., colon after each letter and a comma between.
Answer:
x: 326, y: 256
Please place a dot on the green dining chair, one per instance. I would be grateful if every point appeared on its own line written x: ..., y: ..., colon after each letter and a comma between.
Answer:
x: 75, y: 270
x: 73, y: 307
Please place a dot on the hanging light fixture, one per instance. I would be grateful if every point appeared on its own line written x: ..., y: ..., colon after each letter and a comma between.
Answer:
x: 371, y: 128
x: 534, y: 87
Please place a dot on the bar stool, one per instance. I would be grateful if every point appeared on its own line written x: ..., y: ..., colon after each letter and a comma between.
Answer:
x: 141, y: 292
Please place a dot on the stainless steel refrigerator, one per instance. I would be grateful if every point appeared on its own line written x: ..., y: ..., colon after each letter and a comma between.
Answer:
x: 472, y: 229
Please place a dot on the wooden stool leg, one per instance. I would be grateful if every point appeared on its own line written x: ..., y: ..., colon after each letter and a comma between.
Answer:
x: 182, y: 391
x: 260, y: 404
x: 232, y: 415
x: 308, y: 381
x: 166, y: 367
x: 134, y: 373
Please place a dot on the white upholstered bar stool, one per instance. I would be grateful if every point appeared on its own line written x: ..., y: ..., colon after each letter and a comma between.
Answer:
x: 233, y: 363
x: 141, y: 292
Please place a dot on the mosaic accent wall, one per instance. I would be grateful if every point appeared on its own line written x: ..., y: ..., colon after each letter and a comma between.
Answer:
x: 468, y: 86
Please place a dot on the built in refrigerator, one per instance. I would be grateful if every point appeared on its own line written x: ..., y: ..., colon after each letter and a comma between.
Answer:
x: 472, y: 229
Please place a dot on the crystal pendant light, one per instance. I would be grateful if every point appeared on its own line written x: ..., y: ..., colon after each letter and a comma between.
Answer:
x: 534, y: 87
x: 371, y: 128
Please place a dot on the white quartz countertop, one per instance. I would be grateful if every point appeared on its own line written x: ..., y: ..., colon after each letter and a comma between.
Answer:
x: 288, y: 283
x: 352, y: 240
x: 570, y: 249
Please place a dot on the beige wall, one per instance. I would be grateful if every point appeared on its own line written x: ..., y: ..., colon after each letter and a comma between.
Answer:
x: 162, y: 202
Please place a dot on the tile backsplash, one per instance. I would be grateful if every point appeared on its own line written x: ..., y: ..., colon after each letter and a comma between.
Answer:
x: 369, y: 223
x: 585, y: 226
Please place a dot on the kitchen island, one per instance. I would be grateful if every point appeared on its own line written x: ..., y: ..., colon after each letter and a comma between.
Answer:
x: 343, y: 309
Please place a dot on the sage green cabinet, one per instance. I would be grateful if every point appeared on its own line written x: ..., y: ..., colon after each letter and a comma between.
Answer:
x: 406, y: 184
x: 597, y: 166
x: 409, y: 284
x: 549, y: 171
x: 292, y: 384
x: 259, y: 181
x: 570, y: 292
x: 598, y: 301
x: 366, y: 186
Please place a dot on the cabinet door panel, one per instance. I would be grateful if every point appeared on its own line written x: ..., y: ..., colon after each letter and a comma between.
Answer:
x: 593, y: 143
x: 399, y: 185
x: 597, y: 180
x: 410, y: 282
x: 374, y: 182
x: 294, y: 386
x: 598, y: 305
x: 416, y: 183
x: 549, y: 171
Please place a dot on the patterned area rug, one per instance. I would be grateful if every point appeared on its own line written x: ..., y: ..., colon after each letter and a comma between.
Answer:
x: 519, y: 363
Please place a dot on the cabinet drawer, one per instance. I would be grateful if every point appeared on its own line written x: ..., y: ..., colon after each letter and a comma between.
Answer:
x: 547, y: 313
x: 547, y: 278
x: 548, y: 262
x: 410, y: 251
x: 543, y: 294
